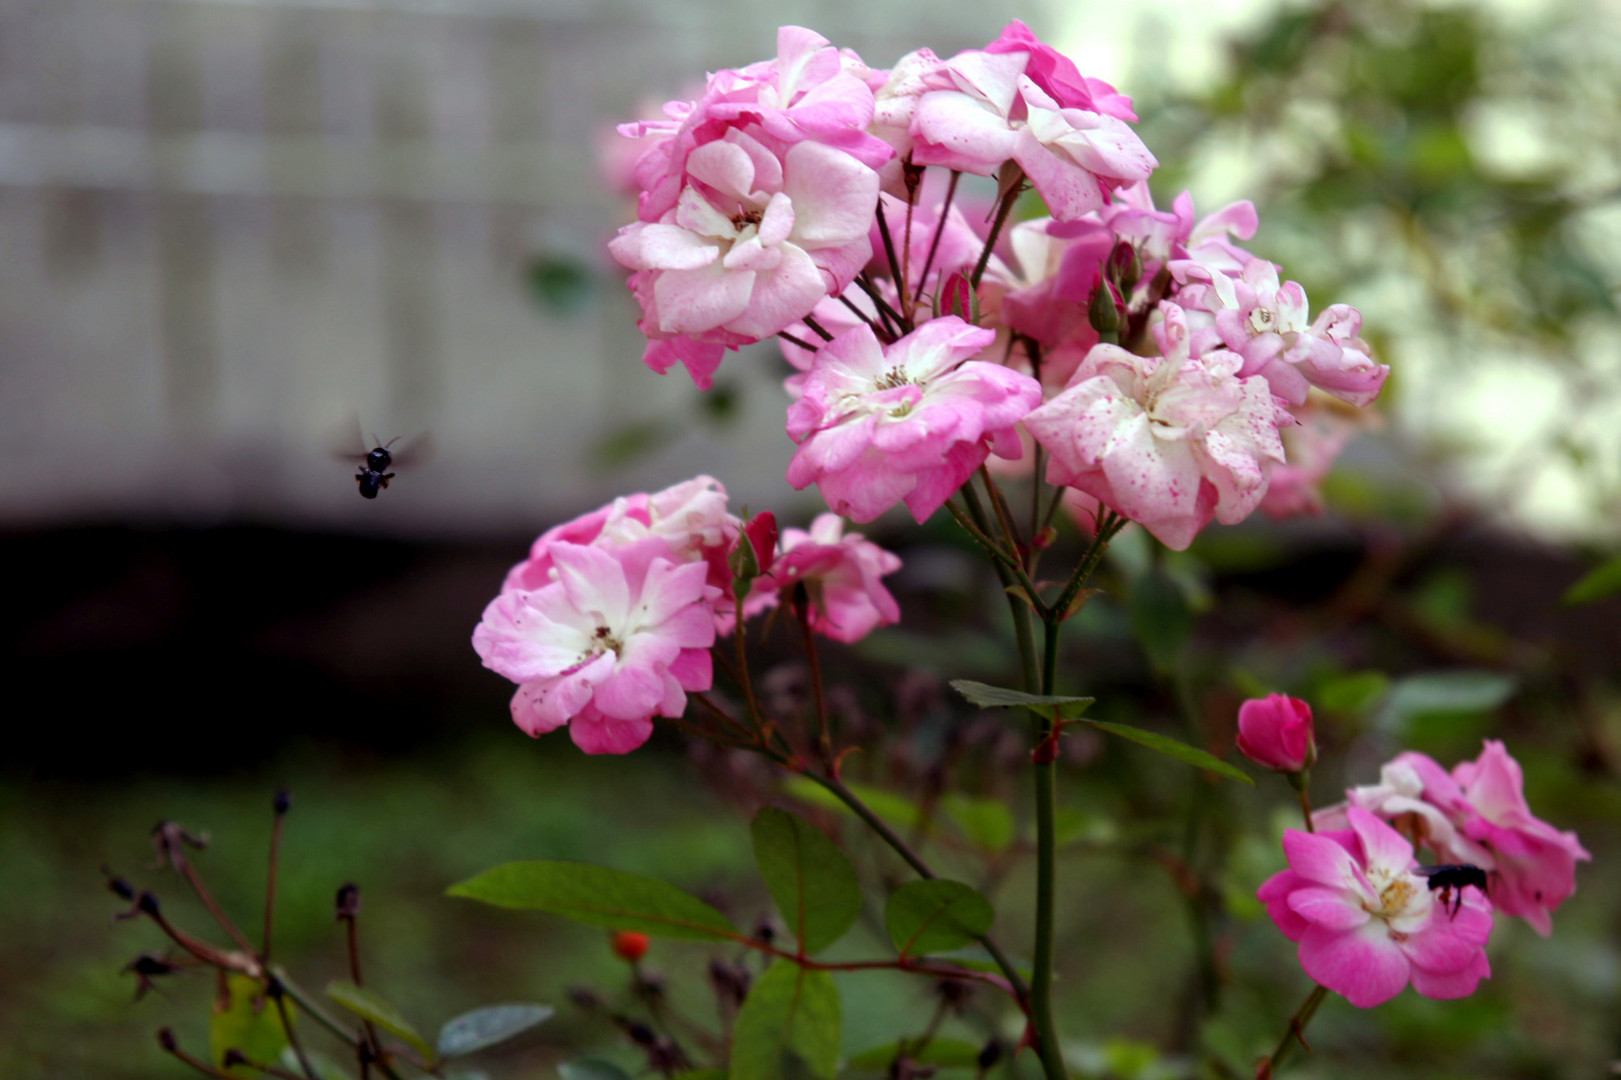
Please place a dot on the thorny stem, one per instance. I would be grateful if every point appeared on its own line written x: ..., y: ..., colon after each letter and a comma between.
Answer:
x: 1305, y: 807
x: 817, y: 328
x: 1269, y: 1065
x: 877, y: 328
x: 939, y: 231
x: 990, y: 546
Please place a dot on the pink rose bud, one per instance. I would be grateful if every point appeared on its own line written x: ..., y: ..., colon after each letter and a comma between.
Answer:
x: 954, y: 297
x: 1275, y: 731
x: 762, y: 533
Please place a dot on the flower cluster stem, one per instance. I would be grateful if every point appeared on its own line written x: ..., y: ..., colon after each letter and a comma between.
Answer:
x: 1269, y: 1065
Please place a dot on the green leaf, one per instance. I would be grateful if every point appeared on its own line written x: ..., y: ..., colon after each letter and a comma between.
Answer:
x: 1446, y: 694
x: 811, y: 880
x: 935, y: 915
x: 1355, y: 693
x: 1161, y: 620
x: 248, y: 1023
x: 591, y: 1068
x: 894, y: 809
x: 368, y: 1005
x: 1181, y: 751
x: 599, y: 896
x: 941, y: 1053
x: 1603, y: 581
x: 987, y: 823
x: 702, y: 1074
x: 562, y: 283
x: 481, y: 1028
x: 995, y: 697
x: 789, y: 1026
x: 324, y: 1067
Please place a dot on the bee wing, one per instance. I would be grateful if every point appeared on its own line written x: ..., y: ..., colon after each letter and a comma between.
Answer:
x: 350, y: 443
x: 413, y: 451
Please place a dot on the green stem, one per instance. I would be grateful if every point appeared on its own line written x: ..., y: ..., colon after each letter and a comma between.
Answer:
x: 1041, y: 997
x: 1295, y: 1035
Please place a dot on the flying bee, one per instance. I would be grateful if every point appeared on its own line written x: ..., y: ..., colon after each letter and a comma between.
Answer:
x: 1451, y: 880
x: 373, y: 474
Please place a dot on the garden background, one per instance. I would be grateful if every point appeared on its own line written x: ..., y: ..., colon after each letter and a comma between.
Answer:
x: 232, y: 226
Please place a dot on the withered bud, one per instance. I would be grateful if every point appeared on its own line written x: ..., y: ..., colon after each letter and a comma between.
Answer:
x: 147, y: 904
x: 348, y: 900
x: 234, y: 1057
x: 167, y: 1040
x: 904, y: 1068
x: 120, y: 887
x: 731, y: 982
x: 282, y: 802
x: 989, y: 1054
x: 641, y: 1034
x: 953, y: 993
x: 583, y: 997
x: 764, y: 932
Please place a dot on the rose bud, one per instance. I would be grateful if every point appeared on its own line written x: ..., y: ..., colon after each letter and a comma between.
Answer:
x: 1275, y: 731
x: 629, y: 945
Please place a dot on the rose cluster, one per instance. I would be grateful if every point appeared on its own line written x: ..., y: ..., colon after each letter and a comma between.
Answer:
x: 1165, y: 371
x: 610, y: 620
x: 1368, y: 918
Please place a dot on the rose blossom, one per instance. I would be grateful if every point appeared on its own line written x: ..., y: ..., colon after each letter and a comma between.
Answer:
x: 1168, y: 441
x: 840, y: 572
x: 1477, y: 815
x: 617, y: 638
x: 1018, y: 100
x: 910, y: 422
x: 690, y: 517
x: 1276, y: 732
x: 1367, y: 925
x: 751, y: 246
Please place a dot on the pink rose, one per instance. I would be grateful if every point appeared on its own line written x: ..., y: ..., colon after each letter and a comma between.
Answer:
x: 840, y: 572
x: 1276, y: 733
x: 1169, y: 441
x: 911, y: 422
x: 616, y: 639
x: 1367, y: 925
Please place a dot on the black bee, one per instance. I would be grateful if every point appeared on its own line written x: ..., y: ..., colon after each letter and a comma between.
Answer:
x: 373, y: 474
x: 1451, y: 881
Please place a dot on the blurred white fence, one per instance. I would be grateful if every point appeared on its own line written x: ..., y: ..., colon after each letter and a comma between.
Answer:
x: 228, y: 226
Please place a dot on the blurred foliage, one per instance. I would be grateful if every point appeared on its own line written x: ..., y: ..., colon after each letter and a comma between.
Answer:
x: 1455, y: 172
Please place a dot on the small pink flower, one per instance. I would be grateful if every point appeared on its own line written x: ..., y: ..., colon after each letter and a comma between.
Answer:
x: 690, y: 517
x: 616, y: 639
x: 1367, y: 925
x: 753, y: 243
x: 1276, y: 732
x: 983, y: 108
x: 841, y: 573
x: 1170, y: 441
x: 1535, y: 863
x: 1476, y: 815
x: 910, y: 423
